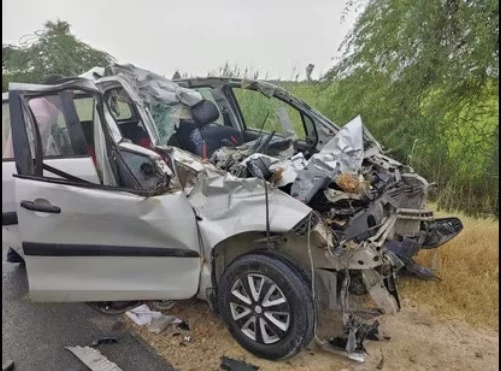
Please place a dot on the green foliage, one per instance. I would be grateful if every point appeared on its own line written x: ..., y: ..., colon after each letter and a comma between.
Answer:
x: 234, y: 71
x: 50, y: 51
x: 424, y: 75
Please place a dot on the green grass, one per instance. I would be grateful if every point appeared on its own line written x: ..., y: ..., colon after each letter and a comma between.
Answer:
x: 260, y: 111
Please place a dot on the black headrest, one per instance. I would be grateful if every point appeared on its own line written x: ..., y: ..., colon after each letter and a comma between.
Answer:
x: 204, y: 112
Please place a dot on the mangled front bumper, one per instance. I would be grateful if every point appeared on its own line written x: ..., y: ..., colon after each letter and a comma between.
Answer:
x: 370, y: 267
x: 349, y: 267
x: 344, y: 271
x: 418, y: 229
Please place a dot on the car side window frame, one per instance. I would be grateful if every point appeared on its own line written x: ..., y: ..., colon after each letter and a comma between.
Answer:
x: 241, y: 118
x: 73, y: 124
x: 29, y: 169
x: 8, y: 134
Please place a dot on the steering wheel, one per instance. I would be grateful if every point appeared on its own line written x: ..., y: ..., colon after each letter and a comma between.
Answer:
x: 264, y: 143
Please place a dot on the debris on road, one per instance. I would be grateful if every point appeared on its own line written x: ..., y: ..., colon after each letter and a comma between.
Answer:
x: 156, y: 321
x: 93, y: 359
x: 211, y: 340
x: 351, y: 343
x: 163, y: 304
x: 104, y: 340
x: 183, y: 326
x: 236, y: 365
x: 113, y: 307
x: 381, y: 362
x: 8, y: 365
x: 186, y: 340
x: 158, y: 324
x: 142, y: 315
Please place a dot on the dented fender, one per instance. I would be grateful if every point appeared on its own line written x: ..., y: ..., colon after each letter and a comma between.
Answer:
x: 227, y: 206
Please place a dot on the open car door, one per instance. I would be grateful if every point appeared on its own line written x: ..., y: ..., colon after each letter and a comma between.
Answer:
x: 131, y: 239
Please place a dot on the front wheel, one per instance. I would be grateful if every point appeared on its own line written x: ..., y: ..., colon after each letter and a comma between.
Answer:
x: 267, y: 305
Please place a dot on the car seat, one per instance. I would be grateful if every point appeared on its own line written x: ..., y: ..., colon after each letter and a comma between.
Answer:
x: 206, y: 137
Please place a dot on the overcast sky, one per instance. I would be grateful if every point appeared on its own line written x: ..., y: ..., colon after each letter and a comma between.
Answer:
x: 195, y: 36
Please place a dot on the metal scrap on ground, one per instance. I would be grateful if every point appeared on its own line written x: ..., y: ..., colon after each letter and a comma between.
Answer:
x: 156, y: 321
x: 93, y: 359
x: 236, y: 365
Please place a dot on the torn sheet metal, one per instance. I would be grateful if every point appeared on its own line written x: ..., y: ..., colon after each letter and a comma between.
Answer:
x: 347, y: 146
x: 93, y: 74
x: 351, y: 343
x: 355, y: 257
x: 154, y: 88
x: 93, y: 359
x: 288, y: 169
x: 158, y: 324
x: 333, y: 195
x: 316, y: 175
x: 267, y: 89
x: 156, y: 321
x: 229, y: 205
x: 343, y: 153
x: 188, y: 166
x: 142, y: 315
x: 377, y: 286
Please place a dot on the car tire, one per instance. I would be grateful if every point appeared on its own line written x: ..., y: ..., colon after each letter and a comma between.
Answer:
x: 267, y: 305
x: 14, y: 257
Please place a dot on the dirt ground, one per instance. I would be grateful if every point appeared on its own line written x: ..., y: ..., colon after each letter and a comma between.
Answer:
x: 418, y: 341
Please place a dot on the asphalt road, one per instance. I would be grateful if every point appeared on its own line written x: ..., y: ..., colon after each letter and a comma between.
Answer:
x: 34, y: 335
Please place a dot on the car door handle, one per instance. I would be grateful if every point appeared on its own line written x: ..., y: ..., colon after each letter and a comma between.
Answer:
x: 43, y: 207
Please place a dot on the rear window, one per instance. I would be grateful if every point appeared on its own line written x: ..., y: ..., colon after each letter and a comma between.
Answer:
x: 85, y: 111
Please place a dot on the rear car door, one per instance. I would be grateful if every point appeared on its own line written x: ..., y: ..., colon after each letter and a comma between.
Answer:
x: 93, y: 241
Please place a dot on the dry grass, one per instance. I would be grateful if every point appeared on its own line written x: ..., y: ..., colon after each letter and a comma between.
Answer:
x: 468, y: 266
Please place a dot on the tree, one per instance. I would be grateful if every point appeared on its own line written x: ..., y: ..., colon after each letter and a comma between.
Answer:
x: 424, y: 75
x: 52, y: 50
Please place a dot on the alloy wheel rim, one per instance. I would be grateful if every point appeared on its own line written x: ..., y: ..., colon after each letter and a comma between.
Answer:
x: 260, y: 309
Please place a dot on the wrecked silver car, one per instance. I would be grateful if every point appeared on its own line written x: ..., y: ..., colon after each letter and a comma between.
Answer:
x: 342, y: 173
x: 134, y: 187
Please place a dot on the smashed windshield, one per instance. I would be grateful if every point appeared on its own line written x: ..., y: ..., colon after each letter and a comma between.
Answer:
x: 166, y: 100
